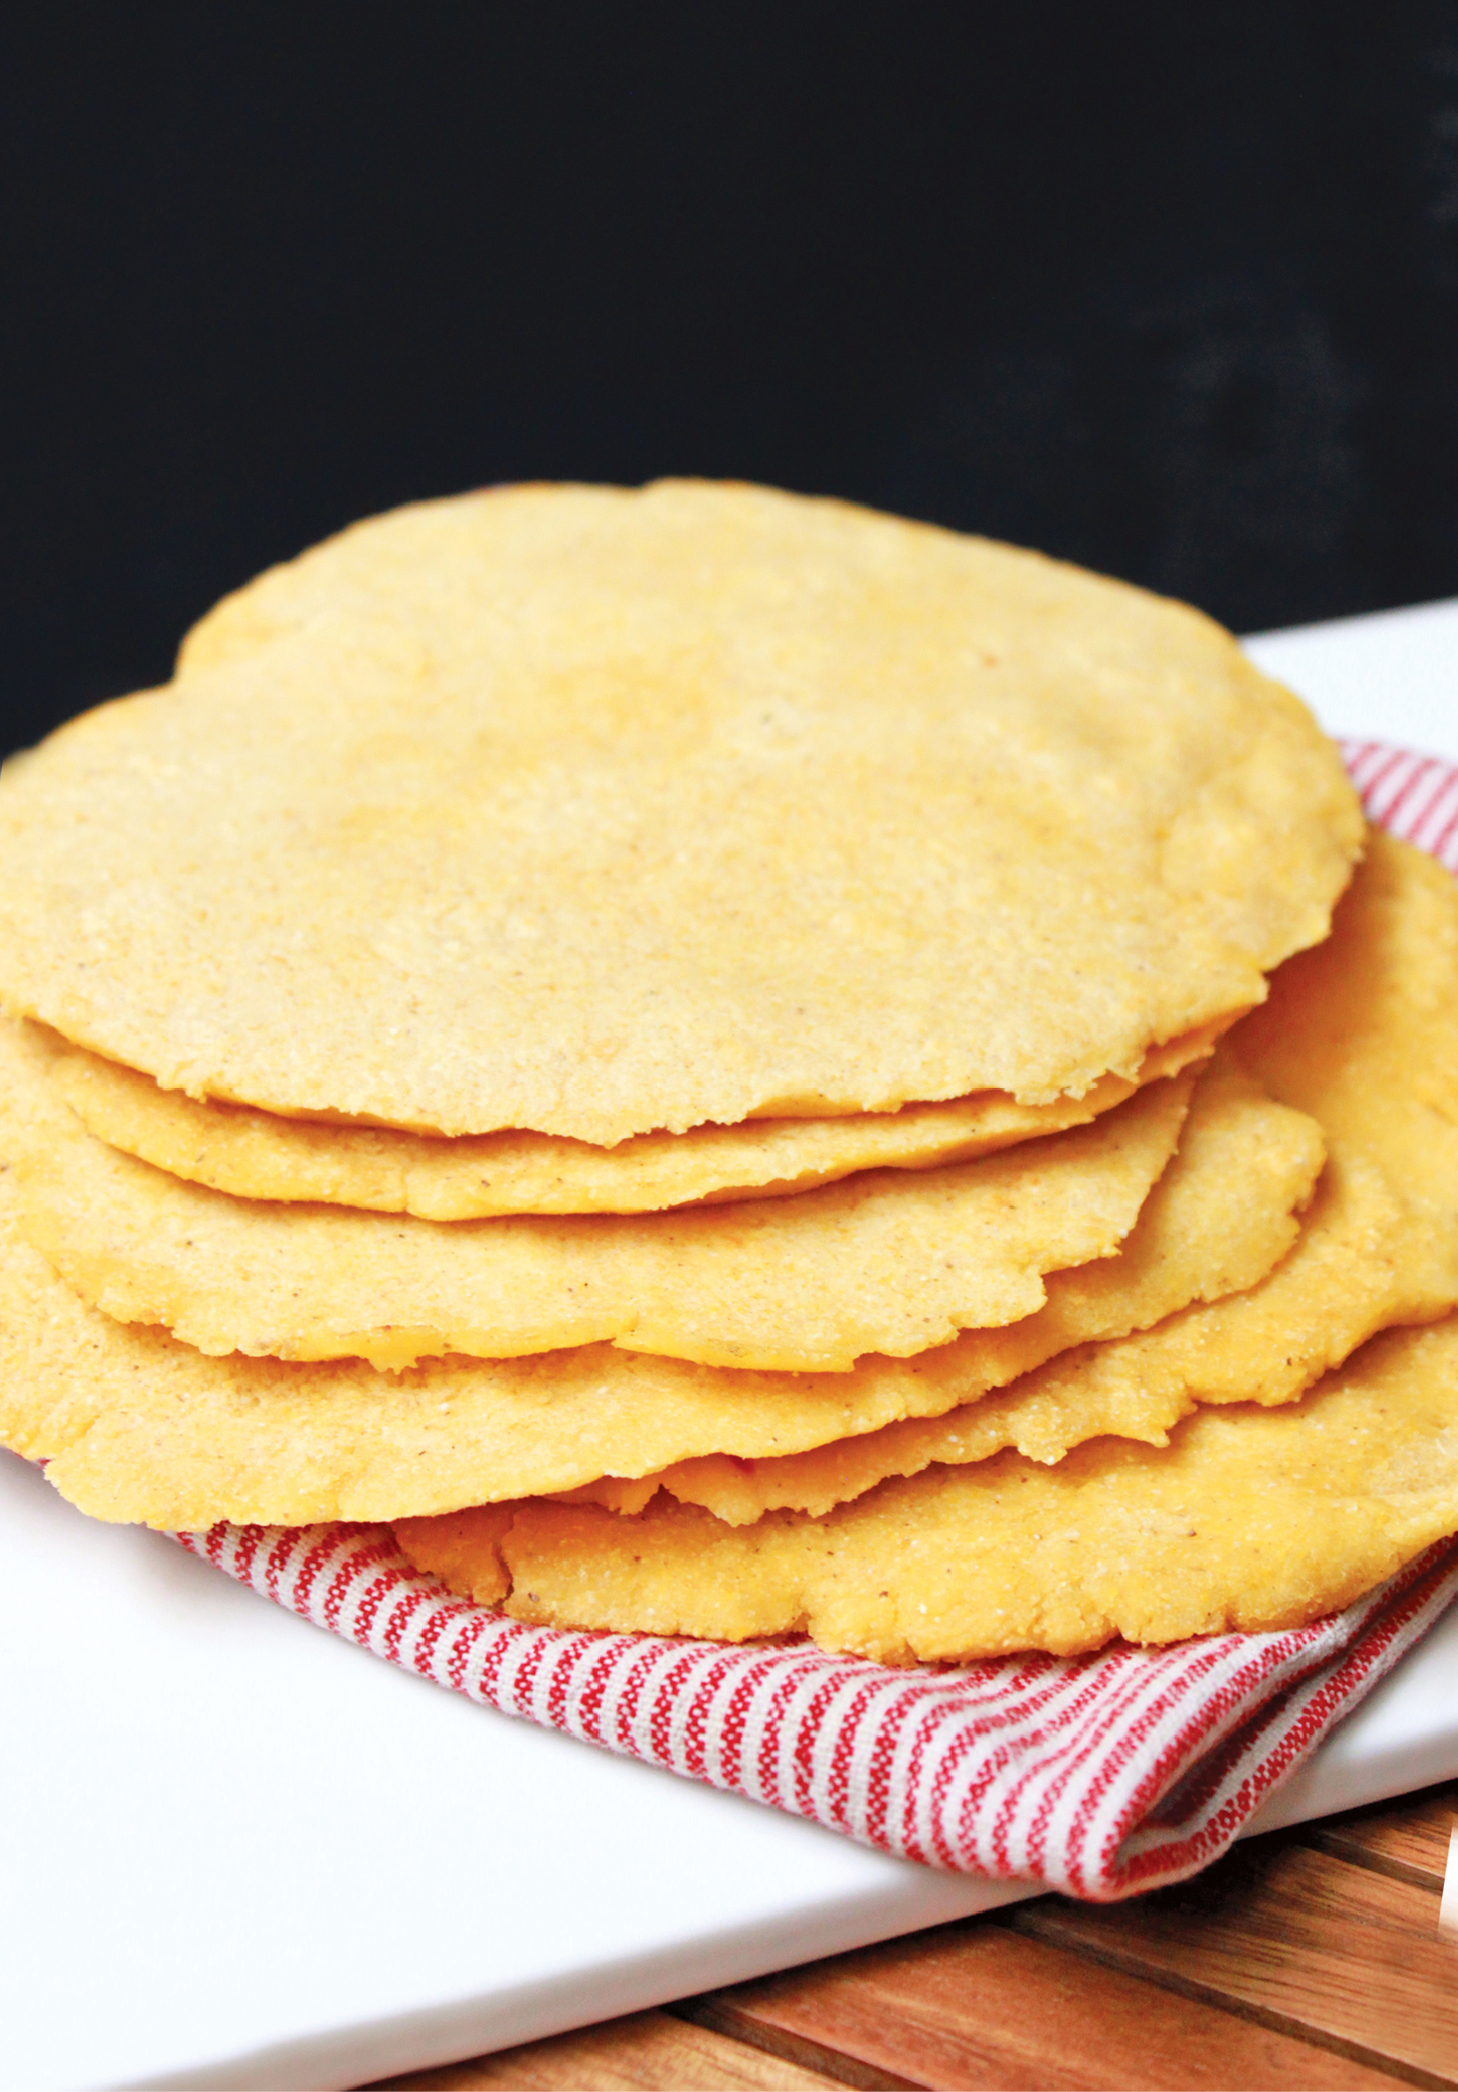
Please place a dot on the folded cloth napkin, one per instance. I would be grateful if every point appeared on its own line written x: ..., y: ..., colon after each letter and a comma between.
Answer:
x: 1415, y: 796
x: 1098, y: 1775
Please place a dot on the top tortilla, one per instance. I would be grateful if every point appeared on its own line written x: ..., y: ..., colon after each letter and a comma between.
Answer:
x: 594, y: 812
x: 1362, y: 1034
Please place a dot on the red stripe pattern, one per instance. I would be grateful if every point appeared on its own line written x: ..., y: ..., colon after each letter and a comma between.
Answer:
x: 1416, y: 796
x: 1100, y: 1775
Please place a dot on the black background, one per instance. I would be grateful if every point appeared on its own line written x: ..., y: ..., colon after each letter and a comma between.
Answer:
x: 1171, y: 291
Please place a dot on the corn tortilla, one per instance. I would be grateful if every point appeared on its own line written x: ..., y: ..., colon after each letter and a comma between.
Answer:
x: 1251, y: 1519
x: 889, y: 1261
x: 257, y: 1155
x: 1359, y: 1266
x: 137, y: 1426
x: 595, y: 812
x: 1364, y: 1036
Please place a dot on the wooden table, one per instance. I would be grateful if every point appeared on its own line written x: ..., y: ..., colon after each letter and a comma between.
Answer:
x: 1308, y: 1959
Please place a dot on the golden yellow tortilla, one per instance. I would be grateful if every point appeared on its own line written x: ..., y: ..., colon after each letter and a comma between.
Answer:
x: 889, y: 1261
x: 257, y: 1155
x: 1362, y: 1036
x: 597, y: 812
x: 1253, y: 1519
x: 137, y: 1426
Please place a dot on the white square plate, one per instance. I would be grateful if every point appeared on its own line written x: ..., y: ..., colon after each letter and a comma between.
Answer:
x: 240, y: 1852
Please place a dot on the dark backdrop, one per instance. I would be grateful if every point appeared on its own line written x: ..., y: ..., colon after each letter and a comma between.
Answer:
x: 1170, y: 290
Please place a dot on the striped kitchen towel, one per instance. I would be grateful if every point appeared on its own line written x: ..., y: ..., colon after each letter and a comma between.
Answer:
x: 1098, y: 1775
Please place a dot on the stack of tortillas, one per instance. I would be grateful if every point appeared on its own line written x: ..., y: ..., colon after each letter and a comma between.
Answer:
x: 689, y: 1049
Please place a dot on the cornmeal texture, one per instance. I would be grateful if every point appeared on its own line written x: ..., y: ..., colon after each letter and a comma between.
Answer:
x: 889, y: 1261
x: 139, y: 1427
x: 1366, y: 1040
x: 1224, y: 1213
x: 597, y: 812
x: 1250, y: 1519
x: 1364, y: 1037
x: 257, y: 1155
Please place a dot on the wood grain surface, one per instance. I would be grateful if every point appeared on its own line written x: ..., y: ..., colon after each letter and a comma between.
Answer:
x: 1308, y: 1960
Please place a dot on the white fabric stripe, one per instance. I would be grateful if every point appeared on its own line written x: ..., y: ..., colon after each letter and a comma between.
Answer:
x: 685, y: 1701
x: 1339, y: 1648
x: 1372, y: 757
x: 414, y: 1635
x: 794, y: 1703
x: 1059, y: 1782
x: 826, y: 1739
x: 1198, y: 1693
x: 876, y: 1789
x: 1384, y: 796
x: 1076, y: 1798
x: 1427, y: 784
x: 716, y: 1728
x: 1439, y: 812
x: 1027, y: 1715
x: 754, y: 1739
x: 624, y: 1670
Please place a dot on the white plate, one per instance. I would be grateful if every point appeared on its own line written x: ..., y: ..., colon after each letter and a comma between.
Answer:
x: 240, y: 1852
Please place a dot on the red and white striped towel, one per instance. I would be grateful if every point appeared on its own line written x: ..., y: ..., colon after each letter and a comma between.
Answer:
x: 1099, y: 1775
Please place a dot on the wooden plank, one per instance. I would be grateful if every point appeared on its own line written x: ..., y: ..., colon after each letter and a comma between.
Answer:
x: 646, y: 2052
x: 1298, y: 1939
x: 975, y: 2004
x: 1409, y: 1841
